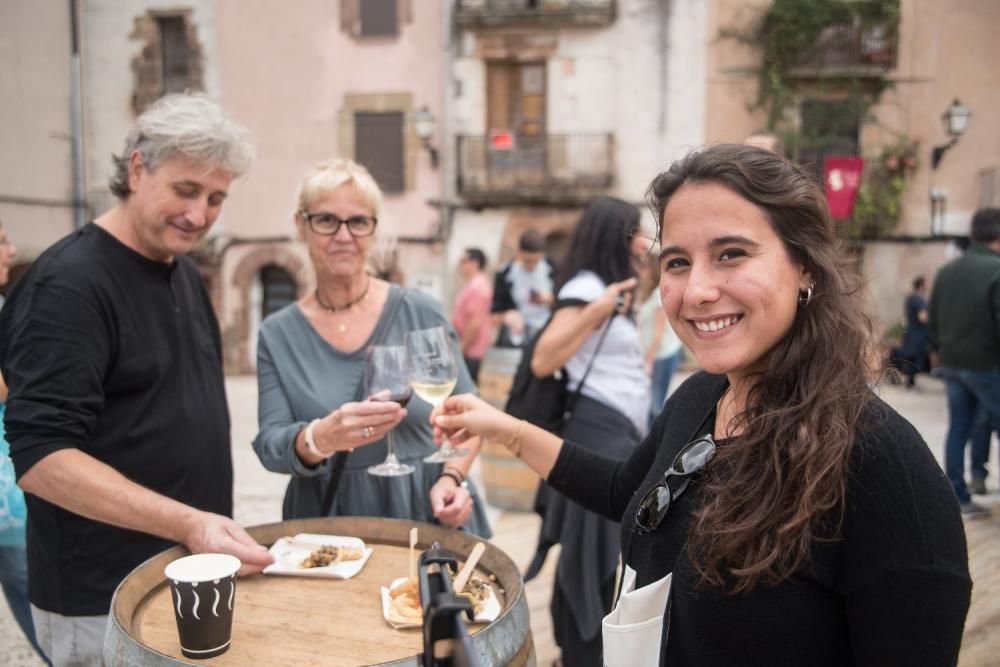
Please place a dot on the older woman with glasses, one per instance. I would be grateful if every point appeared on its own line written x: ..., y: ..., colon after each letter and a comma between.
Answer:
x: 311, y: 359
x: 779, y: 513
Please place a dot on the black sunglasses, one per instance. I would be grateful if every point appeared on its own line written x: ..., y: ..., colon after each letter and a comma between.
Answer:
x: 328, y: 224
x: 656, y: 503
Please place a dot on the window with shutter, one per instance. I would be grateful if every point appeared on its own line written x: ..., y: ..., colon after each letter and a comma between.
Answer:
x: 379, y: 147
x: 379, y: 18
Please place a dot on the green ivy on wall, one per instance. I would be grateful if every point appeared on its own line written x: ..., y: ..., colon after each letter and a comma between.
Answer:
x: 791, y: 36
x: 878, y: 204
x: 791, y: 29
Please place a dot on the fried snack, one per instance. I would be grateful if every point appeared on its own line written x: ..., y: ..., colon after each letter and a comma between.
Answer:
x: 405, y: 608
x: 327, y: 555
x: 408, y: 587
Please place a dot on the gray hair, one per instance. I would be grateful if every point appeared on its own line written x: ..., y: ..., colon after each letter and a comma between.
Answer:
x: 189, y: 125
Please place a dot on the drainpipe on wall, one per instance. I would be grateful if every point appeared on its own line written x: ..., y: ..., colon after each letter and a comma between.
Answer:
x: 76, y: 111
x: 445, y: 204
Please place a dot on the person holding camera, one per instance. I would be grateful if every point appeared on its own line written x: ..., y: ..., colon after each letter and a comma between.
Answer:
x: 609, y: 417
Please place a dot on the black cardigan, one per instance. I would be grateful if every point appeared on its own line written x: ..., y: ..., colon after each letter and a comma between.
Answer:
x: 894, y: 590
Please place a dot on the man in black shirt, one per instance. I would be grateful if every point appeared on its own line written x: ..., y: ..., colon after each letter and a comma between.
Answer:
x: 117, y: 415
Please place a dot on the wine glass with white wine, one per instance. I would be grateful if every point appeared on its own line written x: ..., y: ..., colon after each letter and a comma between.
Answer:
x: 387, y: 379
x: 433, y: 374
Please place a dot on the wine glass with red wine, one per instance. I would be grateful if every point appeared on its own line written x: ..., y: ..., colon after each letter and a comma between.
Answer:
x: 387, y: 379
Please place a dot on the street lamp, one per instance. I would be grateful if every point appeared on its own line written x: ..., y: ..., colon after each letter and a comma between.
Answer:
x: 955, y: 118
x: 423, y: 126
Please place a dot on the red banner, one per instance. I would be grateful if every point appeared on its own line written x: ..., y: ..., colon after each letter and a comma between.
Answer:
x: 841, y: 180
x: 501, y: 140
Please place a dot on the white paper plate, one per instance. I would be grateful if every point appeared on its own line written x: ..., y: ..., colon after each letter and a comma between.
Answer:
x: 489, y: 612
x: 289, y: 552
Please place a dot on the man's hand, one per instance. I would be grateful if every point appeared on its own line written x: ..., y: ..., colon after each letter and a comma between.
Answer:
x: 214, y: 533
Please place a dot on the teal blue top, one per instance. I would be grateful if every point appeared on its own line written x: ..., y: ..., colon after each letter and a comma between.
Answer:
x: 12, y: 509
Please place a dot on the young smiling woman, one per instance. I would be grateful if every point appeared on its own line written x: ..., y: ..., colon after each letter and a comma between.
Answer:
x: 778, y: 513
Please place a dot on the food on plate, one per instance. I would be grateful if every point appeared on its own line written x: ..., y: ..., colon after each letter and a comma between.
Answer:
x: 405, y: 607
x: 408, y: 587
x: 478, y: 591
x: 327, y: 555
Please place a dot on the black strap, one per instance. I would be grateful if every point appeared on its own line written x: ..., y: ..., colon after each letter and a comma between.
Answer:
x: 571, y: 402
x: 340, y: 458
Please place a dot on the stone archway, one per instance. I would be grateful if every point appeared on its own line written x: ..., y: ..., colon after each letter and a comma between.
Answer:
x: 236, y: 336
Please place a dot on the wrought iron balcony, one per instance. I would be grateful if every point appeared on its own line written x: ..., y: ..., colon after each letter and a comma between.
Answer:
x: 548, y: 169
x: 553, y: 13
x: 849, y: 50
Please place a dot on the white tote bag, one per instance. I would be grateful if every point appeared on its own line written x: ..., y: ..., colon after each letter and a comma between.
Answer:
x: 633, y: 631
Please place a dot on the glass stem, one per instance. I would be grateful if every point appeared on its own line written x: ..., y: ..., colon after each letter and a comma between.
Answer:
x: 391, y: 447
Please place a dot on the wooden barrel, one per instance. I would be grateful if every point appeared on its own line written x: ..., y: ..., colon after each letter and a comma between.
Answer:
x: 508, y: 483
x: 280, y: 620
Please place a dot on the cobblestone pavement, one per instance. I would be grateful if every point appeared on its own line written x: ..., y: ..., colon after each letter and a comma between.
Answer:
x: 259, y: 493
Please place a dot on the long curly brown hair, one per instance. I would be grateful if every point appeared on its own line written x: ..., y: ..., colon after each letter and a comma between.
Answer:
x: 777, y: 489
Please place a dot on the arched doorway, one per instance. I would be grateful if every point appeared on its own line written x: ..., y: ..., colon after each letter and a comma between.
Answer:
x: 278, y: 288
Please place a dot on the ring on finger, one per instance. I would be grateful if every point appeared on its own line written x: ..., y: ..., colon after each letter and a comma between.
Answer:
x: 369, y: 431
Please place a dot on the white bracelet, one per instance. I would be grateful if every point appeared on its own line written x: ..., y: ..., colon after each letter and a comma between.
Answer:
x: 311, y: 443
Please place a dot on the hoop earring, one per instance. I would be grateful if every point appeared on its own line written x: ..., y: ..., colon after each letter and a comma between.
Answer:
x: 806, y: 295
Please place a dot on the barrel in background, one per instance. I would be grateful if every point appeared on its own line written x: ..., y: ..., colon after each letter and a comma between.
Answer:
x: 508, y: 483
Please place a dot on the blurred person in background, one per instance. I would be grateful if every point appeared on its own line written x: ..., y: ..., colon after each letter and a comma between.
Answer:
x: 522, y: 292
x: 913, y: 353
x: 979, y: 453
x: 779, y: 513
x: 605, y: 254
x: 13, y: 513
x: 117, y: 415
x: 963, y: 332
x: 471, y: 315
x: 662, y: 348
x: 311, y: 358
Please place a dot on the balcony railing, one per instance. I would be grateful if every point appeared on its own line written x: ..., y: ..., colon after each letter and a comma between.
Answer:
x: 554, y: 169
x: 554, y: 13
x: 850, y: 50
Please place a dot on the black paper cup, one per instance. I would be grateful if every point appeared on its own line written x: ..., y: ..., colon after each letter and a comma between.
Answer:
x: 203, y: 589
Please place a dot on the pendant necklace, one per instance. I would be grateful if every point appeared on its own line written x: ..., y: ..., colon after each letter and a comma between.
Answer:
x: 342, y: 327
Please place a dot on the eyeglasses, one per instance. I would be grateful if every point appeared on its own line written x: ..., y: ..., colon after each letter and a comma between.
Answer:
x: 656, y: 503
x: 328, y: 224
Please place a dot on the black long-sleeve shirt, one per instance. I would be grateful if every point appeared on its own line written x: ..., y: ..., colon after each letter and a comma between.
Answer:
x: 118, y: 356
x: 894, y: 590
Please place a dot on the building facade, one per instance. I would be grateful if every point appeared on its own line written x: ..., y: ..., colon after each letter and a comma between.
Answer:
x: 940, y: 52
x: 343, y: 78
x: 37, y: 198
x: 553, y: 103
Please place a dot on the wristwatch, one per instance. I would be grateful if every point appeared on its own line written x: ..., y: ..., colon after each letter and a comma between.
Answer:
x: 311, y: 442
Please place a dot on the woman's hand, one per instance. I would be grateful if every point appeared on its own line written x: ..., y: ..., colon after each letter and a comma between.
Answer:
x: 465, y: 416
x: 452, y: 504
x: 610, y: 299
x: 357, y: 423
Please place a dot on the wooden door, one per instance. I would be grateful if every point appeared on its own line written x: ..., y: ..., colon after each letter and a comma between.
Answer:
x: 516, y: 105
